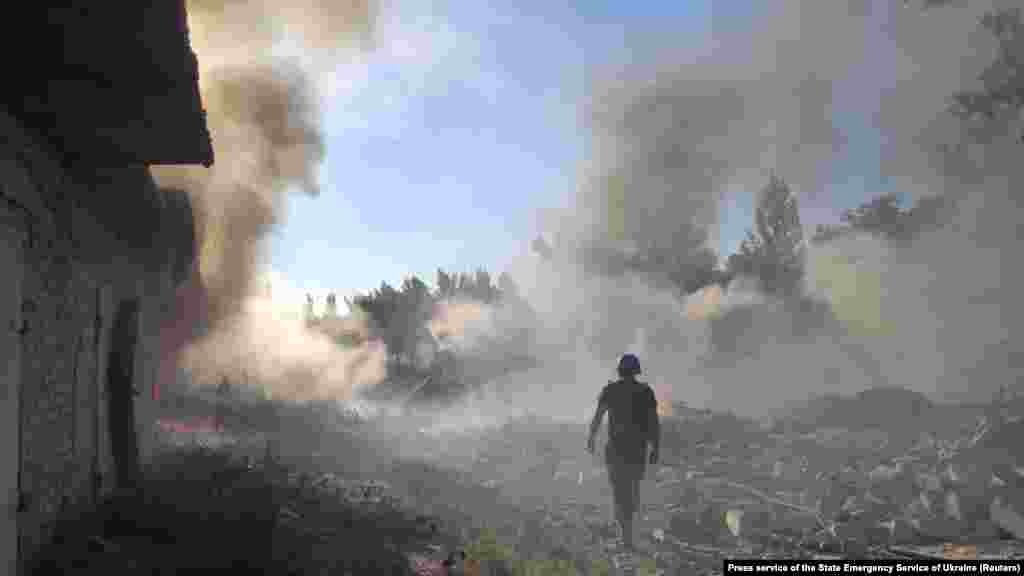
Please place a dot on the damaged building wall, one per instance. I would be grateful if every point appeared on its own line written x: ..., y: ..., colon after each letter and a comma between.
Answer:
x: 10, y: 378
x: 91, y: 240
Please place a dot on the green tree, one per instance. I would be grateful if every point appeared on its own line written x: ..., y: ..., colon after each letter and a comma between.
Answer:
x: 416, y: 295
x: 414, y: 309
x: 1001, y: 97
x: 825, y: 233
x: 884, y: 217
x: 445, y: 287
x: 308, y: 314
x: 478, y: 286
x: 1002, y: 94
x: 746, y: 260
x: 685, y: 264
x: 881, y: 215
x: 381, y: 306
x: 774, y: 252
x: 482, y: 289
x: 930, y: 212
x: 507, y: 287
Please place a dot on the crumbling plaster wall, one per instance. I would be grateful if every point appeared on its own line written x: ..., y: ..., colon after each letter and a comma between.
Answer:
x: 76, y: 268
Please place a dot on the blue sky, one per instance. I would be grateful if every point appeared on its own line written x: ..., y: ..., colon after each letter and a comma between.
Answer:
x: 465, y: 121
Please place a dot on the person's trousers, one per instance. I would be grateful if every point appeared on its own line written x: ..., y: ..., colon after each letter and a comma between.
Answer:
x: 625, y: 471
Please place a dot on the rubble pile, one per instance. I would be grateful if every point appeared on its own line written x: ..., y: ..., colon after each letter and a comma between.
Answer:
x: 729, y: 487
x: 871, y: 488
x: 725, y: 486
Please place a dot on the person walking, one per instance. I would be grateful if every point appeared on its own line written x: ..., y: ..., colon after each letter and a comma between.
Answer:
x: 633, y: 426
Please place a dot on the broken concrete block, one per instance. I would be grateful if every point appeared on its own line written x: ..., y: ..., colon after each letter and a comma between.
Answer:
x: 951, y: 506
x: 1007, y: 518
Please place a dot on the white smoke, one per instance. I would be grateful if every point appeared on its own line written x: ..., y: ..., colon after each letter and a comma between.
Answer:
x: 678, y: 135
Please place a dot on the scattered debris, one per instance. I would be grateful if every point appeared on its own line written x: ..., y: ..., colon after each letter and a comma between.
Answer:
x: 734, y: 489
x: 726, y: 487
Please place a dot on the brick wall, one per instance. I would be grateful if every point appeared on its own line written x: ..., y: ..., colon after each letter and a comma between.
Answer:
x: 76, y: 267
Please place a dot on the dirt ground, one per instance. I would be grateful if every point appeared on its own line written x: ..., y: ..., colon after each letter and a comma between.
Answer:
x: 725, y: 488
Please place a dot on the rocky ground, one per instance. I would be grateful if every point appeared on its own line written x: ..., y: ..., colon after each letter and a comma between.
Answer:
x: 945, y: 480
x: 525, y: 498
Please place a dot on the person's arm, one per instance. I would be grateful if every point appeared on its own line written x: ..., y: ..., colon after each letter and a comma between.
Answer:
x: 654, y: 432
x: 595, y: 424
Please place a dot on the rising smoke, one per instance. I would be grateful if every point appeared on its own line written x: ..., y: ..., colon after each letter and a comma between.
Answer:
x: 947, y: 295
x: 669, y: 140
x: 951, y: 293
x: 263, y: 116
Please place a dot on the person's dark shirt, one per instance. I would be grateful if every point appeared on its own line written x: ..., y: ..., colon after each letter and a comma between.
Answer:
x: 632, y: 408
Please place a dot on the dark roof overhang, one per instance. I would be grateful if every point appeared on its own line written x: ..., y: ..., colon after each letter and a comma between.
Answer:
x: 108, y: 83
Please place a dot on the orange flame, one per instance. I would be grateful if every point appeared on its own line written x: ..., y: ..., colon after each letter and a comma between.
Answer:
x: 704, y: 304
x: 455, y: 319
x: 664, y: 398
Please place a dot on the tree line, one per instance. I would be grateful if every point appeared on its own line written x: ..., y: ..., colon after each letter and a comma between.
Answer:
x: 773, y: 251
x: 400, y: 316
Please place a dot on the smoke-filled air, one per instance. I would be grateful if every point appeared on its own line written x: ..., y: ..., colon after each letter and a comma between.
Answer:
x: 264, y: 114
x: 444, y: 247
x: 918, y: 296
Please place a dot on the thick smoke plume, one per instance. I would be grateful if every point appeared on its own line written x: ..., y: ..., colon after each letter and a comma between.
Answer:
x: 937, y: 314
x: 460, y: 325
x: 668, y: 141
x: 950, y: 295
x: 767, y: 103
x: 263, y: 116
x: 289, y: 362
